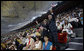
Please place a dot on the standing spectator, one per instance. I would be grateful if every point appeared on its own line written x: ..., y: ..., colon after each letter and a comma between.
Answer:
x: 53, y: 29
x: 68, y: 27
x: 45, y: 24
x: 44, y: 27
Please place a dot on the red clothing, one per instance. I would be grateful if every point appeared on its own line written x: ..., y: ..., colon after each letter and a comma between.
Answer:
x: 53, y: 48
x: 62, y: 37
x: 28, y: 43
x: 71, y: 28
x: 38, y: 30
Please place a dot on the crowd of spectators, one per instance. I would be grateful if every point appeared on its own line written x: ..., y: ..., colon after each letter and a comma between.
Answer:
x: 51, y: 34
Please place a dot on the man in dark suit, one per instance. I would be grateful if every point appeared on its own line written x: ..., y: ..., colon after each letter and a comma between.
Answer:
x: 53, y: 28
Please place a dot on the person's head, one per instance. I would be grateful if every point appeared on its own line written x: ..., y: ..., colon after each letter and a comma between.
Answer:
x: 46, y: 37
x: 58, y: 23
x: 67, y: 15
x: 37, y: 30
x: 66, y: 22
x: 49, y: 17
x: 17, y: 38
x: 51, y: 11
x: 36, y: 21
x: 71, y: 16
x: 28, y: 36
x: 45, y: 21
x: 64, y: 31
x: 61, y: 20
x: 12, y: 48
x: 41, y: 27
x: 81, y: 15
x: 37, y: 38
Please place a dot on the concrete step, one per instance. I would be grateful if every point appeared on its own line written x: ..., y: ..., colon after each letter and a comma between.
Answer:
x: 70, y: 49
x: 78, y: 39
x: 78, y: 32
x: 75, y: 45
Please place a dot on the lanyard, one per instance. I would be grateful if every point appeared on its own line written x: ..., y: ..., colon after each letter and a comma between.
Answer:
x: 28, y: 43
x: 46, y: 46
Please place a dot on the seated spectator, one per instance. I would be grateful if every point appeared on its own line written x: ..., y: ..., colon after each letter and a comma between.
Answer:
x: 38, y: 30
x: 23, y: 40
x: 74, y: 21
x: 3, y: 46
x: 45, y: 24
x: 62, y: 39
x: 81, y: 18
x: 37, y: 24
x: 43, y: 31
x: 24, y: 34
x: 19, y: 44
x: 67, y: 17
x: 12, y: 47
x: 47, y: 45
x: 35, y: 34
x: 37, y: 44
x: 61, y: 22
x: 16, y: 43
x: 59, y: 27
x: 29, y: 43
x: 57, y: 19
